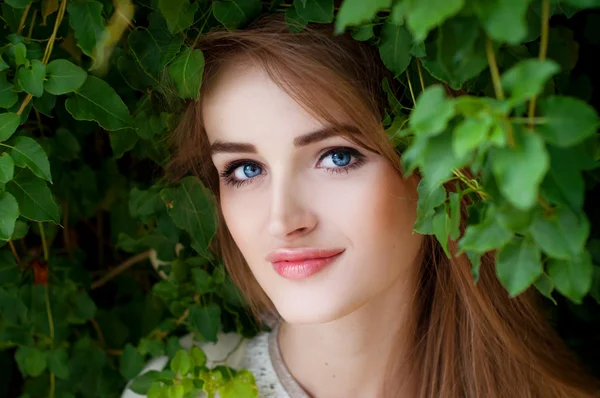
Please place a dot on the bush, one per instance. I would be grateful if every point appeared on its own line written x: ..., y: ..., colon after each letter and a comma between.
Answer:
x: 89, y: 90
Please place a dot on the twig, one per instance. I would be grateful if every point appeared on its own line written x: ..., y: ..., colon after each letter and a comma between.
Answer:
x: 51, y: 326
x: 543, y: 52
x: 59, y: 17
x: 420, y: 74
x: 14, y: 251
x: 98, y: 331
x: 412, y: 94
x: 32, y: 25
x: 489, y: 49
x: 23, y: 19
x: 44, y: 244
x: 119, y: 269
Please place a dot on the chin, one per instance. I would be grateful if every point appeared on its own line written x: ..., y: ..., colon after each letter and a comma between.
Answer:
x: 307, y: 312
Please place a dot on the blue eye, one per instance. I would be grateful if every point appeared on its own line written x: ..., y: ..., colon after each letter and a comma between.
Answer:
x: 341, y: 158
x: 246, y: 171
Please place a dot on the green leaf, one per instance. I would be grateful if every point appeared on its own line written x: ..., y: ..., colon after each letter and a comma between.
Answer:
x: 31, y: 361
x: 143, y: 204
x: 192, y: 208
x: 564, y: 183
x: 122, y: 141
x: 561, y: 235
x: 425, y: 15
x: 87, y: 22
x: 181, y: 363
x: 155, y: 47
x: 45, y: 103
x: 234, y: 14
x: 430, y: 197
x: 545, y: 286
x: 243, y: 385
x: 294, y: 21
x: 320, y: 11
x: 460, y: 51
x: 187, y: 70
x: 520, y: 170
x: 572, y: 278
x: 179, y: 14
x: 441, y: 228
x: 21, y: 55
x: 7, y: 95
x: 58, y: 362
x: 438, y: 160
x: 394, y: 47
x: 21, y: 230
x: 527, y: 79
x: 8, y: 125
x: 454, y: 215
x: 363, y: 33
x: 503, y: 20
x: 3, y: 65
x: 131, y: 362
x: 96, y: 100
x: 142, y: 383
x: 518, y: 265
x: 568, y: 121
x: 26, y: 152
x: 9, y: 212
x: 432, y: 112
x: 206, y: 320
x: 583, y: 3
x: 34, y: 197
x: 198, y: 356
x: 18, y: 3
x: 63, y: 77
x: 7, y: 168
x: 67, y: 144
x: 32, y: 79
x: 470, y: 134
x: 357, y: 12
x: 486, y: 235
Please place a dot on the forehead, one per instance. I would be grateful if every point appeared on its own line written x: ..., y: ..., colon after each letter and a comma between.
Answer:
x: 243, y: 102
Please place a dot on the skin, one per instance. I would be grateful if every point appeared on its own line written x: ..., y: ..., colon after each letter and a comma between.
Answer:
x: 351, y: 314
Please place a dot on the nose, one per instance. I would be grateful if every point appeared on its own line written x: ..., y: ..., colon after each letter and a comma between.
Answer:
x: 291, y: 212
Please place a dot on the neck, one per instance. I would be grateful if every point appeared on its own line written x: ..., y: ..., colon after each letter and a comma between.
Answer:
x: 349, y: 357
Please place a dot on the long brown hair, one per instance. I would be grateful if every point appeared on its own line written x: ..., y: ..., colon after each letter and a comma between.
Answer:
x: 468, y: 340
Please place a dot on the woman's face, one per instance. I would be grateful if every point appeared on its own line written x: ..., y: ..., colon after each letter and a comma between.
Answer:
x: 287, y: 186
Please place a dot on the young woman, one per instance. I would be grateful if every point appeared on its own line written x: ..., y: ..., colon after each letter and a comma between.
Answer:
x: 316, y: 228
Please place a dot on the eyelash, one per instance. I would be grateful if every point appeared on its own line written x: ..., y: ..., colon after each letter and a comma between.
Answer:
x: 228, y: 179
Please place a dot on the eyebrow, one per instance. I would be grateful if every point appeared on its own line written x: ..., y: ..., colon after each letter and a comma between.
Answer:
x: 303, y: 140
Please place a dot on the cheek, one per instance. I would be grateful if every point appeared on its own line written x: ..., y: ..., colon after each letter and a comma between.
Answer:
x: 240, y: 213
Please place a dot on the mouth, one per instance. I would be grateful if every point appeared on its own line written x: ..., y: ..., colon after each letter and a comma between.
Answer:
x: 302, y: 263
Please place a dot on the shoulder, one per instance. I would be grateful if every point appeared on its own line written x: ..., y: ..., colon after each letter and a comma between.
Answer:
x: 233, y: 350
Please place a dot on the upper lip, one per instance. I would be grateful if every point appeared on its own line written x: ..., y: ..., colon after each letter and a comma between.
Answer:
x: 301, y: 254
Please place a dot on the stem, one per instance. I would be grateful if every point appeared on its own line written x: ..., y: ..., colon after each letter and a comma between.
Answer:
x: 32, y: 25
x: 119, y: 269
x: 489, y: 49
x: 51, y: 327
x: 24, y: 104
x: 14, y: 251
x: 23, y: 18
x: 50, y: 46
x: 543, y: 51
x: 420, y: 74
x: 44, y: 244
x: 412, y: 94
x: 534, y: 120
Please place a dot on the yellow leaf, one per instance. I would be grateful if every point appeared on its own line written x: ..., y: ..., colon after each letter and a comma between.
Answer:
x: 49, y: 7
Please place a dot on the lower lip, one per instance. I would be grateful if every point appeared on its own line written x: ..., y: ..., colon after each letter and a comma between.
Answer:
x: 303, y: 269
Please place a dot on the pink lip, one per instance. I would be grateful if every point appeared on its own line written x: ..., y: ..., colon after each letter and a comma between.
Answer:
x: 301, y: 263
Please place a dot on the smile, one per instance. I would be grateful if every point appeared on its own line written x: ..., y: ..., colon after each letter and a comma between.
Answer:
x: 302, y: 263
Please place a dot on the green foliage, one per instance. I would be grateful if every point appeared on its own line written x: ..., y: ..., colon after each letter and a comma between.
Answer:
x: 490, y: 112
